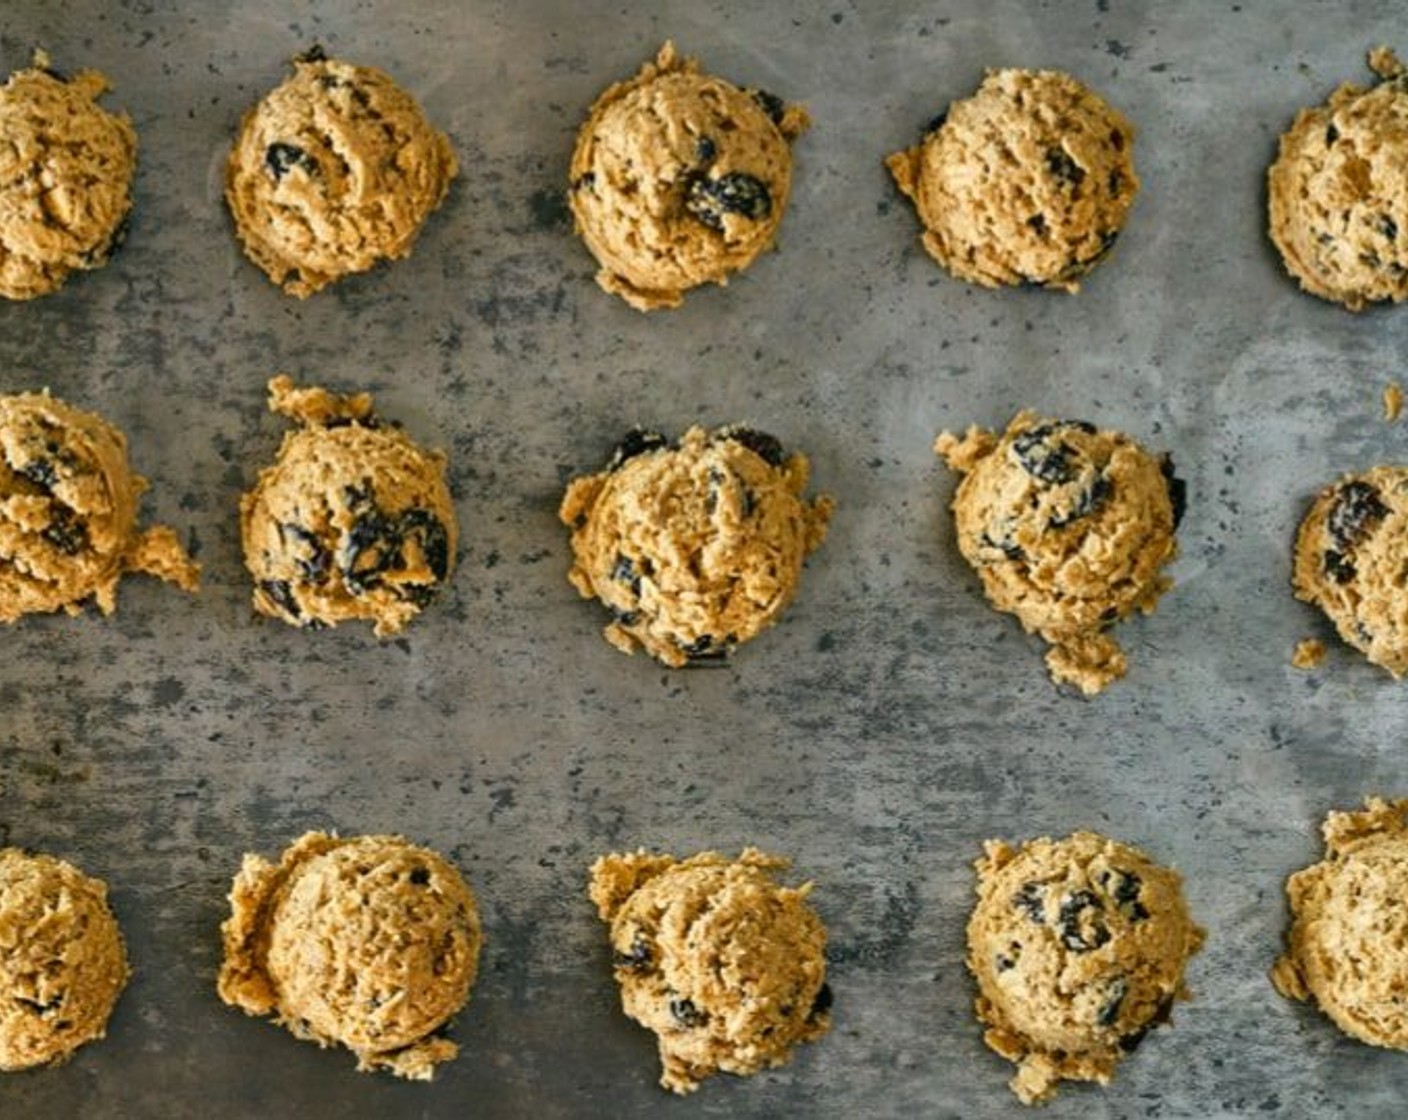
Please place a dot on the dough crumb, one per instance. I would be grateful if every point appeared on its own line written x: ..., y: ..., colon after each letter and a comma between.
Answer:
x: 1309, y: 652
x: 1393, y: 401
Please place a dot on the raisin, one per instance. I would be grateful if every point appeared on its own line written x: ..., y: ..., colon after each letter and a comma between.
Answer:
x: 735, y: 193
x: 41, y: 472
x: 420, y: 876
x: 771, y: 104
x: 1009, y: 549
x: 315, y: 53
x: 766, y: 447
x: 1177, y: 490
x: 64, y: 532
x: 1111, y: 1011
x: 1075, y: 935
x: 1037, y: 223
x: 584, y: 182
x: 1331, y: 134
x: 636, y: 958
x: 936, y: 123
x: 1043, y: 460
x: 372, y: 549
x: 705, y: 150
x: 625, y: 618
x: 1005, y: 964
x: 1060, y: 164
x: 822, y: 1004
x: 1087, y: 503
x: 700, y: 646
x: 1123, y: 888
x: 313, y: 566
x: 1031, y: 900
x: 428, y: 531
x: 686, y: 1014
x: 281, y: 595
x: 637, y: 441
x: 1356, y: 512
x: 1130, y: 1042
x: 37, y: 1007
x: 1338, y: 568
x: 282, y: 158
x: 1388, y: 227
x: 623, y: 571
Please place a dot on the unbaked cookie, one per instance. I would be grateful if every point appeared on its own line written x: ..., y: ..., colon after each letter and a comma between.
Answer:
x: 367, y: 941
x: 1338, y: 191
x: 66, y: 168
x: 680, y: 178
x: 1349, y: 562
x: 1347, y: 948
x: 693, y: 547
x: 726, y: 966
x: 353, y: 520
x: 68, y: 512
x: 1029, y: 181
x: 1078, y: 947
x: 62, y: 962
x: 1070, y: 528
x: 332, y: 172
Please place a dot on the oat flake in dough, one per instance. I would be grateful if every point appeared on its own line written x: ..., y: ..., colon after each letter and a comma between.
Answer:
x: 1338, y: 191
x: 694, y: 548
x: 66, y: 167
x: 1347, y: 948
x: 332, y: 172
x: 1078, y: 947
x: 68, y: 512
x: 725, y: 965
x: 1028, y: 181
x: 1070, y: 528
x: 62, y: 961
x: 679, y: 179
x: 353, y: 520
x: 367, y: 941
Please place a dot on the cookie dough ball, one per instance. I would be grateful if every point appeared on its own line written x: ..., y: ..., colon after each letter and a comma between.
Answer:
x: 1069, y: 527
x: 1349, y: 562
x: 1338, y: 192
x: 1078, y: 947
x: 693, y: 547
x: 726, y: 966
x: 1347, y: 948
x: 353, y: 520
x: 1029, y: 181
x: 62, y: 963
x: 68, y: 512
x: 335, y: 170
x: 367, y: 941
x: 679, y: 179
x: 66, y: 168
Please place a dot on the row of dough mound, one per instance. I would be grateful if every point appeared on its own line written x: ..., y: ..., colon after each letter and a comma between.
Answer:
x: 693, y: 546
x: 681, y: 178
x: 1078, y: 948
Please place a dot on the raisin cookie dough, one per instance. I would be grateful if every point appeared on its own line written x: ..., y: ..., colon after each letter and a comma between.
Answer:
x: 68, y: 512
x: 679, y: 179
x: 1069, y: 527
x: 353, y: 520
x: 695, y: 547
x: 1078, y: 947
x: 1347, y: 948
x: 333, y: 171
x: 1029, y: 181
x: 1338, y: 191
x: 1349, y: 562
x: 66, y: 167
x: 726, y: 966
x: 367, y: 941
x: 62, y: 962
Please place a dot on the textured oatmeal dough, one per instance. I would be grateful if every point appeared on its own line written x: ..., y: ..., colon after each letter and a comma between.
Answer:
x: 1029, y: 181
x: 333, y: 171
x: 1349, y: 562
x: 693, y: 548
x: 1070, y: 528
x: 1338, y: 191
x: 725, y: 966
x: 68, y: 512
x: 1078, y: 947
x: 62, y: 962
x: 680, y: 178
x: 1347, y: 948
x: 66, y: 168
x: 353, y: 520
x: 367, y: 941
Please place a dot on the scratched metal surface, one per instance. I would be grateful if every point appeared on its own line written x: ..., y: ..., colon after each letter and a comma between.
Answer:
x: 881, y: 732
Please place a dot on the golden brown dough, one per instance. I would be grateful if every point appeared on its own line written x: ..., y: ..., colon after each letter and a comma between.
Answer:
x: 367, y: 941
x: 727, y: 967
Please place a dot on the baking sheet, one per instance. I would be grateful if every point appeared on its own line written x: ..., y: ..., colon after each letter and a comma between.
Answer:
x: 889, y: 725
